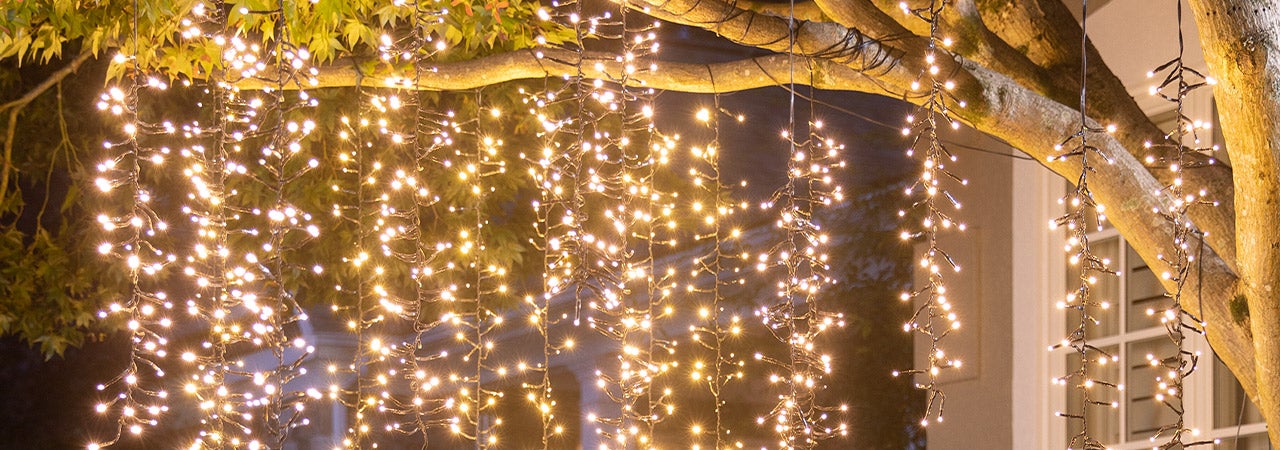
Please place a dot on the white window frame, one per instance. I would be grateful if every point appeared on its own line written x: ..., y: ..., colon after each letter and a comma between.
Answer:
x: 1039, y: 281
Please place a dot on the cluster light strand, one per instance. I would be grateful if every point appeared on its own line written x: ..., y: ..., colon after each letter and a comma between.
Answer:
x: 214, y: 212
x: 1077, y: 220
x: 488, y: 286
x: 137, y: 400
x: 284, y: 163
x: 547, y: 170
x: 423, y: 407
x: 795, y: 318
x: 1178, y: 81
x: 210, y: 211
x: 711, y: 275
x: 628, y: 314
x: 934, y: 318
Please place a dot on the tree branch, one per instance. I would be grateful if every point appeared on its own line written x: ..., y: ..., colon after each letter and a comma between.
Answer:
x: 1049, y: 36
x: 15, y: 107
x: 749, y: 73
x: 1034, y: 124
x: 807, y: 10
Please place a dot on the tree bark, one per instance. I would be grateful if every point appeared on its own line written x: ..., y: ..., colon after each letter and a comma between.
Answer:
x: 1241, y: 41
x: 1049, y: 35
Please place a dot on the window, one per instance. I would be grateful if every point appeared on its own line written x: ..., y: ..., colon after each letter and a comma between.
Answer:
x: 1216, y: 404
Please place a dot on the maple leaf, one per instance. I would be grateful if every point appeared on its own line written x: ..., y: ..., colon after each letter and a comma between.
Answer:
x: 466, y: 5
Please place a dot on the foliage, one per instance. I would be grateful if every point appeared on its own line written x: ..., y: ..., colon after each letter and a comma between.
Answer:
x: 51, y: 287
x: 48, y: 298
x: 38, y: 31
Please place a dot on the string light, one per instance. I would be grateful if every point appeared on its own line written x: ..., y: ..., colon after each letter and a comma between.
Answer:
x: 712, y: 274
x: 799, y: 261
x: 410, y: 189
x: 1077, y: 220
x: 135, y: 236
x: 1172, y: 370
x: 548, y: 170
x: 629, y: 309
x: 934, y: 318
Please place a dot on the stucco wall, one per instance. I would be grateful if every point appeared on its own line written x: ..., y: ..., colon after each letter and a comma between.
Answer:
x: 978, y: 413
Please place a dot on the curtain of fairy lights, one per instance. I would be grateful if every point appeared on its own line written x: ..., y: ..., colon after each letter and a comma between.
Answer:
x: 237, y: 292
x: 1184, y: 150
x: 1082, y: 214
x: 799, y: 261
x: 934, y: 318
x: 634, y: 254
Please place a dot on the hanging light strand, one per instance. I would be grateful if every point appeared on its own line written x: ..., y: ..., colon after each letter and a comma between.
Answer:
x: 800, y: 261
x: 406, y: 207
x: 135, y: 236
x: 1083, y: 213
x: 283, y: 165
x: 712, y: 276
x: 935, y: 318
x: 1183, y: 150
x: 548, y: 169
x: 216, y: 210
x: 645, y: 151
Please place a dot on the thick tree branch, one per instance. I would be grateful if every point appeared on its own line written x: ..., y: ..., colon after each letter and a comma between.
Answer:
x: 807, y: 10
x: 749, y: 73
x: 846, y: 46
x: 1241, y: 41
x: 1033, y: 123
x: 1047, y: 33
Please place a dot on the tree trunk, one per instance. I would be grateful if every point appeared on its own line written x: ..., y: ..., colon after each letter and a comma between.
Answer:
x: 1241, y: 41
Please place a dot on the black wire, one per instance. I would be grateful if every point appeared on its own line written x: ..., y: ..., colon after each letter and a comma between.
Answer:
x: 791, y: 90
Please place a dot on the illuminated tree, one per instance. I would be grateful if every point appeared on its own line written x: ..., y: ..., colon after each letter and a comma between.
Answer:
x: 1014, y: 65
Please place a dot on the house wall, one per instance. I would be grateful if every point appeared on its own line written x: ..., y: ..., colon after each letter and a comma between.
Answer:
x: 977, y: 412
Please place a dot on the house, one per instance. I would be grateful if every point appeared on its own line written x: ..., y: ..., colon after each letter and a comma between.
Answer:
x: 1015, y: 272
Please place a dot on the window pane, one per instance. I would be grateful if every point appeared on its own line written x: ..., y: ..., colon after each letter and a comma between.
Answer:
x: 1104, y: 422
x: 1107, y: 289
x: 1230, y: 406
x: 1249, y: 442
x: 1143, y: 292
x: 1146, y: 414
